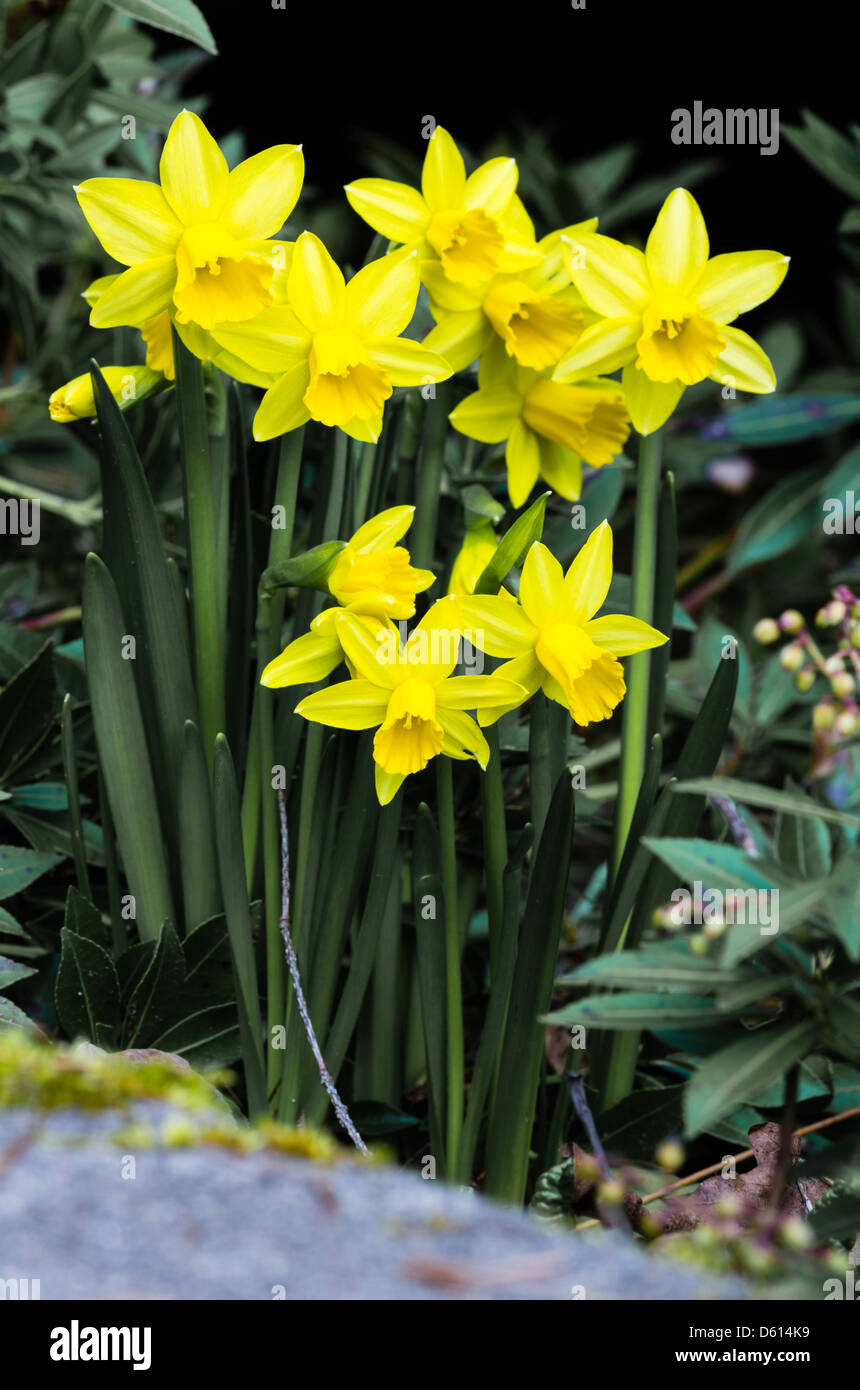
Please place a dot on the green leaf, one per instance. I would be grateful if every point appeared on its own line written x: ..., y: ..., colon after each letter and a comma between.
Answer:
x: 783, y: 420
x: 663, y: 966
x: 531, y: 991
x: 743, y: 1069
x: 136, y: 557
x: 814, y: 1079
x: 8, y: 925
x: 123, y: 752
x: 154, y: 1001
x: 777, y: 521
x: 836, y: 1216
x: 21, y: 867
x: 829, y: 152
x: 180, y: 17
x: 84, y: 919
x: 207, y: 1038
x: 228, y: 830
x: 430, y: 961
x: 198, y: 859
x: 802, y: 842
x: 512, y: 547
x: 641, y: 1121
x: 373, y: 1117
x: 842, y: 903
x: 41, y: 796
x: 635, y: 1011
x: 87, y: 990
x: 751, y: 794
x: 13, y: 1017
x: 719, y: 866
x: 27, y: 708
x: 11, y: 971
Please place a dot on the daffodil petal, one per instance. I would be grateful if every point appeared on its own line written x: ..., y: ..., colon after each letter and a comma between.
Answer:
x: 282, y: 408
x: 561, y: 468
x: 383, y: 530
x: 316, y: 287
x: 524, y: 671
x: 495, y: 625
x: 623, y: 635
x: 311, y: 657
x: 463, y: 738
x: 650, y: 402
x: 743, y: 364
x: 522, y: 457
x: 387, y: 784
x: 611, y: 277
x: 589, y: 575
x: 263, y: 190
x: 735, y: 283
x: 138, y: 294
x: 459, y: 338
x: 408, y: 363
x: 443, y: 177
x: 193, y: 171
x: 395, y: 210
x: 677, y: 248
x: 365, y: 431
x: 541, y: 584
x: 273, y: 341
x: 477, y: 692
x: 353, y: 704
x: 367, y: 652
x: 602, y: 348
x: 131, y: 218
x: 488, y: 415
x: 381, y: 297
x: 492, y: 186
x: 446, y: 295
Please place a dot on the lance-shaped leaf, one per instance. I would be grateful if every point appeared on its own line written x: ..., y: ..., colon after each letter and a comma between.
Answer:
x: 742, y: 1070
x: 512, y: 547
x: 87, y: 990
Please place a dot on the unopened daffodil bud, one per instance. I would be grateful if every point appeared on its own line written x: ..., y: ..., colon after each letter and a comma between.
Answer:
x: 75, y: 400
x: 479, y: 546
x: 766, y: 630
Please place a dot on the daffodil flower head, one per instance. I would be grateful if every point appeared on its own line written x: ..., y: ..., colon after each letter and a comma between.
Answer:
x: 196, y: 244
x: 373, y: 574
x: 469, y: 229
x: 408, y: 693
x: 534, y: 312
x: 335, y: 350
x: 76, y: 401
x: 549, y: 428
x: 551, y: 639
x: 667, y: 311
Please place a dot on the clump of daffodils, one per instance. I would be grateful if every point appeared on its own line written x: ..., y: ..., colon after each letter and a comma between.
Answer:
x: 836, y: 714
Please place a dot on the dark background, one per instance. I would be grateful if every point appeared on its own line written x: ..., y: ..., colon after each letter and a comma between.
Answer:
x: 322, y: 74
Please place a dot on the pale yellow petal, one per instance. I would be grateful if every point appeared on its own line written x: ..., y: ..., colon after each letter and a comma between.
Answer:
x: 355, y: 704
x: 541, y: 585
x: 587, y: 581
x: 282, y: 408
x: 395, y: 210
x: 263, y: 190
x: 677, y: 248
x: 193, y: 171
x: 138, y: 294
x: 381, y: 297
x: 443, y: 177
x: 131, y: 218
x: 522, y: 457
x: 743, y: 364
x: 316, y: 287
x: 650, y: 402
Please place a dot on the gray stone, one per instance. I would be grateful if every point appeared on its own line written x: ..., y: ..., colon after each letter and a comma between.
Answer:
x: 207, y: 1223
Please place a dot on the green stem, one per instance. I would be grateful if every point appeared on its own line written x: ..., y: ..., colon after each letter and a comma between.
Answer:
x: 495, y: 840
x: 635, y: 731
x: 429, y: 480
x: 202, y: 554
x: 270, y: 612
x: 453, y: 988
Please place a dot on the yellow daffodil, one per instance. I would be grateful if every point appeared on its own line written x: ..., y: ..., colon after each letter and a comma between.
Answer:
x: 410, y: 696
x: 372, y: 579
x: 197, y: 245
x: 549, y: 427
x: 551, y: 639
x: 536, y: 313
x: 317, y: 653
x: 466, y: 229
x: 336, y: 348
x: 479, y: 546
x: 75, y: 400
x: 667, y: 312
